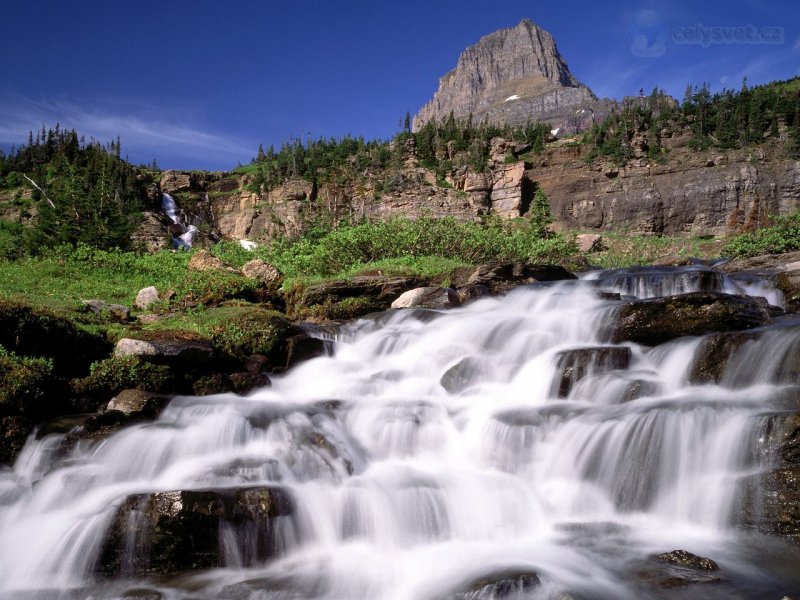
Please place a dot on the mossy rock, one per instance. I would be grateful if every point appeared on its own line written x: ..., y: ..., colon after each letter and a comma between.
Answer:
x: 28, y: 331
x: 256, y: 331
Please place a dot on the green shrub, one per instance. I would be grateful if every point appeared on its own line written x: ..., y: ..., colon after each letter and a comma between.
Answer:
x: 27, y: 386
x: 255, y: 332
x: 110, y: 376
x: 783, y: 235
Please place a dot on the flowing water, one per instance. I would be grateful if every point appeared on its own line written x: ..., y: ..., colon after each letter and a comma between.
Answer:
x: 402, y: 489
x: 183, y: 235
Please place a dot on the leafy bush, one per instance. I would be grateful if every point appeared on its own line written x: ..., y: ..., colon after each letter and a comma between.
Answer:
x: 253, y: 332
x: 110, y: 376
x: 783, y: 235
x: 26, y: 385
x: 354, y: 246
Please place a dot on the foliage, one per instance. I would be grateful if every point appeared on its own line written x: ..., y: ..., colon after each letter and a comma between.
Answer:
x: 25, y: 384
x: 86, y: 193
x: 782, y: 235
x: 356, y: 246
x: 724, y: 120
x: 255, y: 331
x: 108, y: 377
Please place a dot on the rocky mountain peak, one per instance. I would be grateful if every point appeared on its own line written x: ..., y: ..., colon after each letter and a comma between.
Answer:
x: 511, y: 76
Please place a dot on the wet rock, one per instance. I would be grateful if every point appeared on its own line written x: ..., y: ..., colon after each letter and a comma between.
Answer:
x: 300, y: 348
x: 502, y: 277
x: 505, y: 584
x: 384, y: 289
x: 678, y: 568
x: 349, y: 299
x: 465, y: 373
x: 138, y: 403
x: 203, y: 260
x: 186, y: 530
x: 264, y: 272
x: 689, y: 560
x: 14, y: 431
x: 658, y: 320
x: 770, y: 501
x: 428, y: 297
x: 473, y: 292
x: 782, y: 269
x: 574, y: 365
x: 713, y: 355
x: 166, y: 350
x: 142, y: 594
x: 146, y: 297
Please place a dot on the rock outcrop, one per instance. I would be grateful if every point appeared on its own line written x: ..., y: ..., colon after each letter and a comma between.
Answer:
x: 184, y: 530
x: 513, y: 76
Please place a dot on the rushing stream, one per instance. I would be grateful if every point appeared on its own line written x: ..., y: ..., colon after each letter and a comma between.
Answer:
x: 401, y: 489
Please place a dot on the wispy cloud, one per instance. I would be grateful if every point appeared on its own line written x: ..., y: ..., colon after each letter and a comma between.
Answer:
x: 797, y: 43
x: 145, y: 131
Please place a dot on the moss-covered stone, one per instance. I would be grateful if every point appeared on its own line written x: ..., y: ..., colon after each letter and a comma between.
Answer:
x: 28, y: 331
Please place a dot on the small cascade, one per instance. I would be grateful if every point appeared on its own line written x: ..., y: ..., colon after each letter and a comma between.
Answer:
x: 504, y: 449
x: 182, y: 232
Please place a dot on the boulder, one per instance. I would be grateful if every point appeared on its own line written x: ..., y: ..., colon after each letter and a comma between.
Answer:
x: 589, y: 242
x: 465, y: 373
x: 782, y: 269
x: 427, y: 297
x: 146, y: 297
x: 473, y: 292
x: 513, y: 583
x: 574, y: 365
x: 688, y: 560
x: 264, y: 272
x: 118, y: 312
x: 770, y: 501
x: 165, y: 350
x: 713, y: 355
x: 657, y: 320
x: 169, y: 532
x: 138, y: 403
x: 203, y: 260
x: 678, y: 568
x: 348, y: 299
x: 501, y: 277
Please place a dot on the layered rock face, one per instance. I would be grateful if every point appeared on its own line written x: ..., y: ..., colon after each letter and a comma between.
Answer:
x: 513, y: 76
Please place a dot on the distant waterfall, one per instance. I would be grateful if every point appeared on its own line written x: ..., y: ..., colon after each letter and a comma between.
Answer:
x: 182, y: 233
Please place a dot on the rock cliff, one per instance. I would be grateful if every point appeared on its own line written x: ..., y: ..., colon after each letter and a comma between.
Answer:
x: 513, y: 76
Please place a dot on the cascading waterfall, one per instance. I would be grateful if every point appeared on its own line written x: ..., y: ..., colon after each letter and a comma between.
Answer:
x: 432, y: 449
x: 183, y: 233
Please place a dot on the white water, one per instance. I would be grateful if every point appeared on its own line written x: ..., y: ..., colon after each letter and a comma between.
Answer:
x: 427, y: 490
x: 171, y: 209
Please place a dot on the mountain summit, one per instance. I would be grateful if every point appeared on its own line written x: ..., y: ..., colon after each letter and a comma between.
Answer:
x: 512, y: 76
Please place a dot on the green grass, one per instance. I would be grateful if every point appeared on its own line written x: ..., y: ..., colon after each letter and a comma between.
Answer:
x: 628, y: 250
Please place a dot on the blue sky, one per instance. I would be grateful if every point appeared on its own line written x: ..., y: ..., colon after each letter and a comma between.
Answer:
x: 199, y: 84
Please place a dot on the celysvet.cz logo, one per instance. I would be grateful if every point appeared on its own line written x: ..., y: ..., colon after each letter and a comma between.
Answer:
x: 650, y: 34
x: 718, y: 34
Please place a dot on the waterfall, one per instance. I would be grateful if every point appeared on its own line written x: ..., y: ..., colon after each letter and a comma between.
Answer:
x: 430, y: 450
x: 182, y: 233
